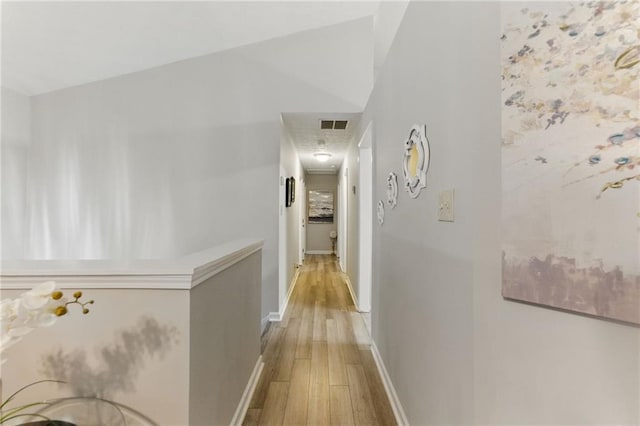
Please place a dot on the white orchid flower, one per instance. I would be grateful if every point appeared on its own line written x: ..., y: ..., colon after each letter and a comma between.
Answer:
x: 38, y: 307
x: 38, y: 296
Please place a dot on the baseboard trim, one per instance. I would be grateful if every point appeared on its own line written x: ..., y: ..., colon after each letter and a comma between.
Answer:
x: 353, y: 294
x: 319, y: 252
x: 263, y: 323
x: 278, y: 316
x: 243, y: 406
x: 398, y: 411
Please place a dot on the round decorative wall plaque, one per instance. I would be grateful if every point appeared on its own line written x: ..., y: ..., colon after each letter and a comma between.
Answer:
x: 392, y: 190
x: 380, y: 212
x: 416, y: 160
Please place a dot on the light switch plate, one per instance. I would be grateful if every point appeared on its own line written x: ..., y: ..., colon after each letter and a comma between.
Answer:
x: 445, y: 206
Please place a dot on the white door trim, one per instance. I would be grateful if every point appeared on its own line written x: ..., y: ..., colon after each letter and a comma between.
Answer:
x: 365, y: 243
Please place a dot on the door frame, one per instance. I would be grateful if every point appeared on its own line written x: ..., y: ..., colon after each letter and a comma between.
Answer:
x: 365, y: 220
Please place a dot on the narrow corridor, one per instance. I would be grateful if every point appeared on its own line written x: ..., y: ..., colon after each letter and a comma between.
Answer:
x: 319, y: 369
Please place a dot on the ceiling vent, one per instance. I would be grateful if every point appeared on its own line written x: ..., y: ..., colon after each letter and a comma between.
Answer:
x: 333, y: 124
x: 339, y: 124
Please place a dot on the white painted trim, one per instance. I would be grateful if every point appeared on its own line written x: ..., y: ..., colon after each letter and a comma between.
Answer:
x: 243, y: 405
x: 274, y: 317
x: 263, y: 323
x: 174, y: 274
x: 318, y: 252
x: 365, y: 222
x: 104, y: 281
x: 214, y: 267
x: 278, y: 316
x: 353, y: 294
x: 398, y: 411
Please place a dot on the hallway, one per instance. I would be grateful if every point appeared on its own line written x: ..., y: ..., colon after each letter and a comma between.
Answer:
x: 319, y: 369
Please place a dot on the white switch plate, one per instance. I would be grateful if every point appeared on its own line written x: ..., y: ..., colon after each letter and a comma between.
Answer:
x: 445, y: 205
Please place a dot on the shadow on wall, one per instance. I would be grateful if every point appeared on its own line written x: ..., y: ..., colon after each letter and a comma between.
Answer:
x: 118, y: 362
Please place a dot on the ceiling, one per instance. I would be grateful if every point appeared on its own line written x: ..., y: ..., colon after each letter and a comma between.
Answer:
x: 305, y: 132
x: 48, y: 46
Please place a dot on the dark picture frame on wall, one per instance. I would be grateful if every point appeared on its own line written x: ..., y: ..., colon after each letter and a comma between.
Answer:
x: 287, y: 193
x: 292, y: 187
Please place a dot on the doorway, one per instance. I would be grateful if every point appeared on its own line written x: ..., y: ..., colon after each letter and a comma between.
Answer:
x: 343, y: 229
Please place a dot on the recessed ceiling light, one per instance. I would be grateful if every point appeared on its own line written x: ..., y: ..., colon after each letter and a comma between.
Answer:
x: 322, y: 156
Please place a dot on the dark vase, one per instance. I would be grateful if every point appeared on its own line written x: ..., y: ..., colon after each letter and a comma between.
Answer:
x: 48, y: 423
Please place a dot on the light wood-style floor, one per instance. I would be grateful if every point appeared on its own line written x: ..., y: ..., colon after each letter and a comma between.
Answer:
x: 318, y: 364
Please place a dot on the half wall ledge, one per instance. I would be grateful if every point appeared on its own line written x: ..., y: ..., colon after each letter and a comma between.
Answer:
x: 183, y: 273
x: 177, y: 340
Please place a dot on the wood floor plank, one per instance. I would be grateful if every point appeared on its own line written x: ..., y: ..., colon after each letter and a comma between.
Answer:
x: 294, y: 310
x: 297, y: 402
x: 337, y: 371
x: 360, y: 329
x: 319, y: 362
x: 319, y: 322
x: 273, y: 411
x: 346, y: 338
x: 303, y: 348
x: 270, y: 358
x: 318, y: 411
x: 252, y: 418
x: 363, y: 410
x: 384, y: 412
x: 288, y: 352
x: 341, y: 409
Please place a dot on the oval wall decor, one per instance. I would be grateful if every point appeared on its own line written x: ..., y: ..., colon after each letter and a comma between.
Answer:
x: 392, y: 189
x: 380, y: 212
x: 416, y: 160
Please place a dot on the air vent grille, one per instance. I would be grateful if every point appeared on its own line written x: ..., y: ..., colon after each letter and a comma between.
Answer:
x: 340, y: 124
x: 333, y: 124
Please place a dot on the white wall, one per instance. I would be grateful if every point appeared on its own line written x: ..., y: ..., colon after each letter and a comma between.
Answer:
x: 318, y: 239
x: 184, y: 156
x: 290, y: 232
x: 457, y: 352
x: 14, y: 148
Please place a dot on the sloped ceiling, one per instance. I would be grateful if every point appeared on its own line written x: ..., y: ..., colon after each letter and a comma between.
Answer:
x: 48, y: 46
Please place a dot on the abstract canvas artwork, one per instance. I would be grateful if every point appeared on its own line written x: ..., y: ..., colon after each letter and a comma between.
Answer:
x: 320, y: 206
x: 571, y: 156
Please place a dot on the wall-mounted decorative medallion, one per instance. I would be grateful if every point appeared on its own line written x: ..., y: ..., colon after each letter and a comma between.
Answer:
x: 416, y: 160
x: 380, y: 212
x: 392, y: 190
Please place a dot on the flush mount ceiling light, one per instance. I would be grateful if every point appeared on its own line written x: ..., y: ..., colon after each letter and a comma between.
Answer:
x: 322, y: 156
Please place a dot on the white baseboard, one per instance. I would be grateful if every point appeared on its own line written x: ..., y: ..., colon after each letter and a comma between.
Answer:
x: 353, y: 294
x: 319, y: 252
x: 277, y: 316
x: 398, y: 411
x: 241, y: 411
x: 263, y: 323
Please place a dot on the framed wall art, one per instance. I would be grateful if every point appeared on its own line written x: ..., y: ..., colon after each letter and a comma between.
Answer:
x: 292, y: 192
x: 320, y: 206
x: 570, y: 162
x: 287, y: 192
